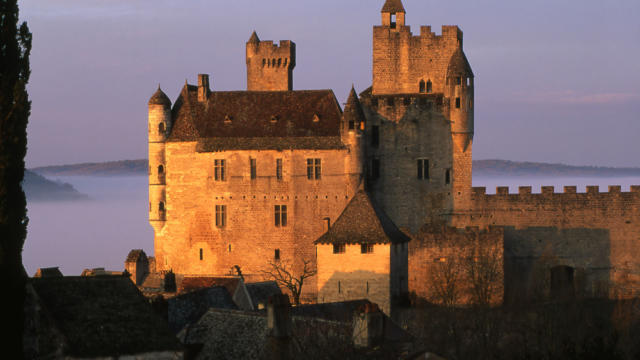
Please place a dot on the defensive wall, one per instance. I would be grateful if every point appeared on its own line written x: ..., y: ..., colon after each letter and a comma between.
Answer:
x: 594, y: 233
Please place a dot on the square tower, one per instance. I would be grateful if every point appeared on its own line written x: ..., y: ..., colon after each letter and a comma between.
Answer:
x: 270, y: 66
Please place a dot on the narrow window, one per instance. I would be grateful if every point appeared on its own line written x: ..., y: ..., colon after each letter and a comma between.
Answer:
x: 339, y: 288
x: 423, y: 169
x: 457, y: 103
x: 280, y: 215
x: 219, y: 170
x: 252, y: 164
x: 318, y: 169
x: 264, y: 62
x: 149, y: 206
x: 447, y: 176
x: 201, y: 254
x: 352, y: 124
x: 276, y: 254
x: 310, y: 169
x: 161, y: 206
x: 314, y: 169
x: 393, y: 21
x: 375, y: 136
x: 273, y: 62
x: 285, y: 61
x: 279, y: 169
x: 279, y: 62
x: 458, y: 80
x: 221, y: 216
x: 161, y: 128
x: 367, y: 287
x: 327, y: 224
x: 422, y: 87
x: 229, y: 247
x: 366, y: 248
x: 429, y: 87
x: 375, y: 169
x: 339, y: 248
x: 160, y: 169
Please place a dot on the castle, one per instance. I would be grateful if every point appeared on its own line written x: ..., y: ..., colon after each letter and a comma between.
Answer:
x: 373, y: 195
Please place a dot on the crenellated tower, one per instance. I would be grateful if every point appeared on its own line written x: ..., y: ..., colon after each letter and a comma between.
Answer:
x: 270, y: 66
x: 419, y: 121
x: 159, y: 127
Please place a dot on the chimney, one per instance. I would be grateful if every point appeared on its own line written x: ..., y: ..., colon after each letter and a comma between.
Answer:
x: 203, y: 87
x: 279, y: 327
x: 368, y: 326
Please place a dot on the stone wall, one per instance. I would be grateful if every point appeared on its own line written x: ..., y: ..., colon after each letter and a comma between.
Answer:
x: 352, y: 275
x: 270, y: 66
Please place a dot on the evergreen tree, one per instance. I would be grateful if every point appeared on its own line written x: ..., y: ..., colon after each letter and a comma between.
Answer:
x: 15, y: 46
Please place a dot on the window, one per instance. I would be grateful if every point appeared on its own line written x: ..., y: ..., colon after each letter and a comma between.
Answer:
x: 280, y: 215
x: 264, y: 62
x: 339, y: 248
x: 393, y: 21
x: 367, y: 287
x: 423, y: 169
x: 429, y: 87
x: 352, y: 124
x: 252, y: 164
x: 422, y: 86
x: 366, y: 248
x: 457, y: 103
x: 279, y: 169
x: 279, y: 62
x: 314, y: 169
x: 375, y: 169
x: 447, y: 176
x: 458, y: 80
x: 221, y: 216
x: 160, y: 169
x: 161, y: 128
x: 276, y: 254
x: 339, y: 287
x: 201, y: 257
x: 219, y: 172
x: 375, y: 136
x: 161, y: 206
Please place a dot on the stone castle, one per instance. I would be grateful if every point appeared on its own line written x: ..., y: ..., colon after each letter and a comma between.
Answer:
x: 373, y: 194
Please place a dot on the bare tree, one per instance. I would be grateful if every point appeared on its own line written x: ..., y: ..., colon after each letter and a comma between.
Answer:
x: 445, y: 277
x: 284, y: 274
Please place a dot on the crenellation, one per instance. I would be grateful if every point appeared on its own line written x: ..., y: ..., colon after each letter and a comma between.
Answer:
x: 570, y: 189
x: 524, y: 190
x: 547, y: 190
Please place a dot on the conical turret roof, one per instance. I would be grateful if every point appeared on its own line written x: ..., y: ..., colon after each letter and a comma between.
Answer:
x: 353, y: 109
x: 159, y: 98
x: 393, y: 6
x: 254, y: 38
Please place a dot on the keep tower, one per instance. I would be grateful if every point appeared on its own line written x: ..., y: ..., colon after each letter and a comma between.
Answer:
x: 159, y: 127
x: 270, y: 66
x: 419, y: 113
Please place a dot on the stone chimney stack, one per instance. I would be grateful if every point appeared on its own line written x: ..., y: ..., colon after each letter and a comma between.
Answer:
x: 203, y: 87
x: 368, y: 326
x: 279, y: 327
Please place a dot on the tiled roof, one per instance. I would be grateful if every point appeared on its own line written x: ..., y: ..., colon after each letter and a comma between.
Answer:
x: 254, y: 38
x: 266, y: 116
x: 353, y: 109
x: 363, y: 222
x: 48, y: 272
x: 392, y: 6
x: 261, y: 291
x: 270, y: 143
x: 458, y: 64
x: 103, y: 316
x: 159, y: 98
x: 192, y: 283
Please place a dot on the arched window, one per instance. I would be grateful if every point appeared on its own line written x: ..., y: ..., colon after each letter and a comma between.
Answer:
x: 161, y: 206
x: 279, y: 62
x: 429, y: 87
x: 422, y: 86
x: 273, y: 62
x: 161, y: 128
x: 285, y: 61
x: 160, y: 169
x: 264, y: 62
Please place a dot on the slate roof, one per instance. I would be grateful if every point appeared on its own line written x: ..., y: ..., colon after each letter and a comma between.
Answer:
x: 458, y: 64
x: 193, y: 283
x: 187, y: 308
x: 363, y: 222
x: 261, y: 291
x: 257, y: 119
x: 254, y: 38
x: 159, y: 98
x: 103, y: 316
x: 353, y: 109
x: 393, y: 6
x: 48, y: 272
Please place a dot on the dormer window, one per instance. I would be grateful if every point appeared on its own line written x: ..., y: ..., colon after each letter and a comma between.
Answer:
x: 316, y: 118
x: 227, y: 119
x: 274, y: 118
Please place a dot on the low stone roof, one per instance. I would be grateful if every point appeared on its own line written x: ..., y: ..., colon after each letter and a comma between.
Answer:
x: 363, y: 222
x: 273, y: 119
x: 261, y: 291
x: 392, y: 6
x: 193, y: 283
x: 48, y: 272
x: 103, y: 316
x: 135, y: 254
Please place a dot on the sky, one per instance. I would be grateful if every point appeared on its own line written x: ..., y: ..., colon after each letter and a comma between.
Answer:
x: 555, y: 80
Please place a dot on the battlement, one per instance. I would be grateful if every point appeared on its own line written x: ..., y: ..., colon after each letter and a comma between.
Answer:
x: 550, y: 190
x: 269, y: 65
x: 402, y: 101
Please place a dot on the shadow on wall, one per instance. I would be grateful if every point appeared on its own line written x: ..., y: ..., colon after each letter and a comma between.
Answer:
x: 344, y: 286
x: 543, y: 263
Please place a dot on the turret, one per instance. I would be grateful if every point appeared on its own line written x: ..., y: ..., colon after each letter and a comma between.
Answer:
x: 393, y: 14
x: 159, y: 128
x: 352, y: 131
x: 269, y: 66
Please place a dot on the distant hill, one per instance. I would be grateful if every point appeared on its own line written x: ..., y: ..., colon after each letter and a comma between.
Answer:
x: 39, y: 188
x: 480, y: 167
x: 110, y: 168
x: 533, y: 169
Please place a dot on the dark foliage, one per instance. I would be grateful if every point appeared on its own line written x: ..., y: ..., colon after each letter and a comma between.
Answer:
x: 15, y: 46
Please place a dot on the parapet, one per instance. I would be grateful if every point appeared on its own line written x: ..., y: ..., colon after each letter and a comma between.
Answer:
x: 550, y: 190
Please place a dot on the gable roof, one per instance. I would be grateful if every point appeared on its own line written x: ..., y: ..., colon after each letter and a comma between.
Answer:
x: 392, y: 6
x: 263, y: 115
x: 48, y: 272
x: 363, y: 222
x: 103, y: 316
x: 261, y: 291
